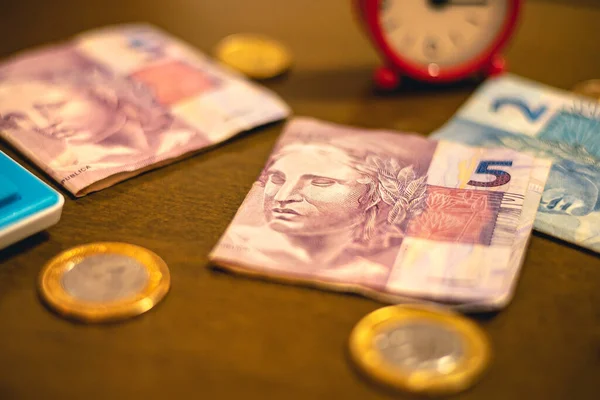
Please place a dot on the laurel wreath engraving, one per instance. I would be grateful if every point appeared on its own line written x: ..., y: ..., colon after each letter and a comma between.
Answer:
x: 397, y: 186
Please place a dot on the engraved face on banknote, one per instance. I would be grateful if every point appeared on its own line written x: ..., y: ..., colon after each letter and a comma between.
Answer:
x: 334, y: 204
x: 85, y: 115
x: 313, y: 190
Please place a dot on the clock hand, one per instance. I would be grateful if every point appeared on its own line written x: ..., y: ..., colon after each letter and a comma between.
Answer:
x: 468, y: 2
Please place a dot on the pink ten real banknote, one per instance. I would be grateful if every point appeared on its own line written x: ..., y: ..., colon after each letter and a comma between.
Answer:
x: 390, y: 215
x: 114, y: 102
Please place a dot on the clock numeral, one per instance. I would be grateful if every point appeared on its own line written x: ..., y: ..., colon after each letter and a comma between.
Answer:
x: 455, y: 38
x: 390, y: 25
x: 431, y: 47
x: 384, y: 5
x: 472, y: 19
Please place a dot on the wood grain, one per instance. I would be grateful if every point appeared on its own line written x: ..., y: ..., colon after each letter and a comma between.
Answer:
x: 221, y: 336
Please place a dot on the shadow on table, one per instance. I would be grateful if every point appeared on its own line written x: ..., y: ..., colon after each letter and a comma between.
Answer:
x: 22, y: 246
x: 566, y: 244
x: 224, y: 272
x: 353, y: 83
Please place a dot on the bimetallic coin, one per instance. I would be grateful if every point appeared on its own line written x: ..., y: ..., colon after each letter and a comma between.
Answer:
x: 255, y: 56
x: 589, y: 88
x: 105, y: 278
x: 420, y: 349
x: 104, y: 281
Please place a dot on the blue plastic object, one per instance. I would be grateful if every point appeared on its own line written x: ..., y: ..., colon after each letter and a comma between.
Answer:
x: 27, y: 205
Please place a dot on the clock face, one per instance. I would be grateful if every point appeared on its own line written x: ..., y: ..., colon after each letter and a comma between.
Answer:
x: 444, y: 33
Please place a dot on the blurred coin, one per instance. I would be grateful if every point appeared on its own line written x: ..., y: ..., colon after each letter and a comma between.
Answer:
x: 256, y: 56
x: 589, y: 88
x: 420, y: 349
x: 104, y: 281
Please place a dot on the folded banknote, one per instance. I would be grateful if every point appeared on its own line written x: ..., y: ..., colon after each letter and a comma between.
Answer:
x: 114, y: 102
x: 390, y: 215
x: 530, y: 117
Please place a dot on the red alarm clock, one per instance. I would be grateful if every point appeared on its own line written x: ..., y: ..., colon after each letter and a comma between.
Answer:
x: 438, y: 40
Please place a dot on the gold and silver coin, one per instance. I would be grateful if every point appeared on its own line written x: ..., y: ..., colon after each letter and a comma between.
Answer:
x: 256, y: 56
x: 589, y: 88
x: 420, y: 349
x: 104, y: 281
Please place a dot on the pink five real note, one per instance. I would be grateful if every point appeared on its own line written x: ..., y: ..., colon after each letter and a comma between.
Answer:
x: 114, y: 102
x: 389, y: 215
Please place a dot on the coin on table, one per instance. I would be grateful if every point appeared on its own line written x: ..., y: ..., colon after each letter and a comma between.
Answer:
x: 256, y: 56
x: 105, y: 281
x: 420, y: 349
x: 589, y: 88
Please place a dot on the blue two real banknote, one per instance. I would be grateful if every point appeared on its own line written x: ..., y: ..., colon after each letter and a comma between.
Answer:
x: 527, y: 116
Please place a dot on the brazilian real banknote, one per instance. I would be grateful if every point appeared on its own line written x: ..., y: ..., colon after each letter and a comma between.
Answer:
x: 527, y: 116
x: 113, y: 102
x: 390, y: 215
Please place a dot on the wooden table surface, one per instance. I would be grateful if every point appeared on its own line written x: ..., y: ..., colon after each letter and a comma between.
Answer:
x: 222, y: 336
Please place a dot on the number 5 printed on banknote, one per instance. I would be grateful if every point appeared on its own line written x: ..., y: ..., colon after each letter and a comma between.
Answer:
x: 386, y: 214
x: 546, y: 122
